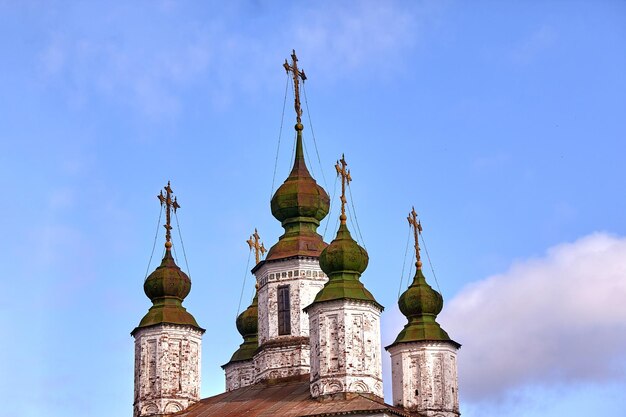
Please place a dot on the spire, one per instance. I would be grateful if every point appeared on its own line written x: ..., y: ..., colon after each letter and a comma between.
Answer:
x: 299, y: 203
x: 420, y: 303
x: 344, y: 260
x: 167, y: 286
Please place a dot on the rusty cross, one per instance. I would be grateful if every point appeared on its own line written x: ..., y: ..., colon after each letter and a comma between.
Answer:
x: 297, y: 75
x: 259, y: 250
x: 345, y: 180
x: 166, y: 200
x: 416, y: 225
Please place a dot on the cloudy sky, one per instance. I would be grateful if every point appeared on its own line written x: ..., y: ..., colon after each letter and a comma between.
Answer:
x: 503, y: 123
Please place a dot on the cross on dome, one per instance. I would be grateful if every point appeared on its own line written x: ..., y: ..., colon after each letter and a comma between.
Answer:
x: 297, y: 75
x: 345, y: 179
x: 259, y: 249
x: 169, y: 203
x: 416, y: 225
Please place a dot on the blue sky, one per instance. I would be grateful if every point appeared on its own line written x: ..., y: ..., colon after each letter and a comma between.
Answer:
x: 501, y: 122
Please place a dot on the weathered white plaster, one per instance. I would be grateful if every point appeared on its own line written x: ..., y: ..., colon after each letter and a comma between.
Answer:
x: 424, y: 376
x: 285, y: 355
x: 345, y: 348
x: 167, y: 369
x: 283, y: 360
x: 239, y: 374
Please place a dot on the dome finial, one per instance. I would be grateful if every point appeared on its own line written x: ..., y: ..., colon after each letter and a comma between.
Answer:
x: 416, y: 225
x: 169, y: 203
x: 255, y: 243
x: 345, y: 179
x: 297, y: 76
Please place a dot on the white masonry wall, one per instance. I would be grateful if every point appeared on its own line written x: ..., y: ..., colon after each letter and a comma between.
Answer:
x: 424, y: 376
x: 239, y: 374
x: 167, y: 369
x: 285, y: 355
x: 345, y: 348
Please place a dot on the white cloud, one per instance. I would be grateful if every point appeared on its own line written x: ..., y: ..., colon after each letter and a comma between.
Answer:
x: 559, y: 319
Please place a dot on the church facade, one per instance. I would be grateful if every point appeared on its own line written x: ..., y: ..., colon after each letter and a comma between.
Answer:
x: 311, y: 337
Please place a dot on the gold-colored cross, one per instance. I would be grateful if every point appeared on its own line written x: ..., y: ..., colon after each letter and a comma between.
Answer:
x: 345, y: 179
x: 297, y: 75
x: 169, y: 203
x: 416, y: 225
x: 259, y: 250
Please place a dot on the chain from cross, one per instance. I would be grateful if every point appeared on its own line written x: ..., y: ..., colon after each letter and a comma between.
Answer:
x: 416, y: 225
x: 345, y: 180
x: 297, y: 75
x: 169, y: 203
x: 259, y: 249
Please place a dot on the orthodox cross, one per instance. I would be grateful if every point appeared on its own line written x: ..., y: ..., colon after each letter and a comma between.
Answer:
x: 417, y: 230
x: 297, y: 75
x: 259, y: 250
x: 345, y: 179
x: 166, y: 200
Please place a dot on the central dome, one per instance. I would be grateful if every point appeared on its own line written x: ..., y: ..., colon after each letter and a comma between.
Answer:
x: 300, y: 195
x: 299, y: 204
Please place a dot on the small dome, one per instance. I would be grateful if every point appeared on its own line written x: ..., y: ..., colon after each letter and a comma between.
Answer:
x: 248, y: 320
x: 343, y: 254
x: 167, y: 280
x: 420, y: 298
x: 344, y: 261
x: 420, y: 303
x: 300, y: 195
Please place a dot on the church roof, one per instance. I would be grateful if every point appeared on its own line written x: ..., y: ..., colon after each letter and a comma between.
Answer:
x: 286, y: 399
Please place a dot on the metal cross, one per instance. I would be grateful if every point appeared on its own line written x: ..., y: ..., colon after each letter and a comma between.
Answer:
x: 166, y: 200
x: 345, y: 179
x: 297, y: 75
x: 417, y: 230
x: 259, y: 250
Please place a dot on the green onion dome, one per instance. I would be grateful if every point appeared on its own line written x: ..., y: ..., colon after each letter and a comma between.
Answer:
x: 299, y: 204
x: 344, y: 254
x: 247, y: 325
x: 421, y: 304
x: 344, y: 261
x: 248, y: 320
x: 167, y: 287
x: 167, y: 280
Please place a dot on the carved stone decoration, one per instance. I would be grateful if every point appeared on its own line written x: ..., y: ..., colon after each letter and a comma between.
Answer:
x: 424, y: 378
x: 167, y: 369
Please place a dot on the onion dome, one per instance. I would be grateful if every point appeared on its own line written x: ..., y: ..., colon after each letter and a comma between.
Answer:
x: 247, y: 325
x: 344, y: 261
x: 167, y: 287
x: 421, y: 304
x: 299, y: 204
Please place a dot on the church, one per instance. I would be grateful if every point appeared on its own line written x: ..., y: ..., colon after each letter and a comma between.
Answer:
x: 311, y: 337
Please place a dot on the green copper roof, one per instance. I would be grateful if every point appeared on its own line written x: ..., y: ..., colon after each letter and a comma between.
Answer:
x: 167, y: 287
x: 421, y: 304
x: 247, y: 324
x: 300, y: 204
x: 344, y: 261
